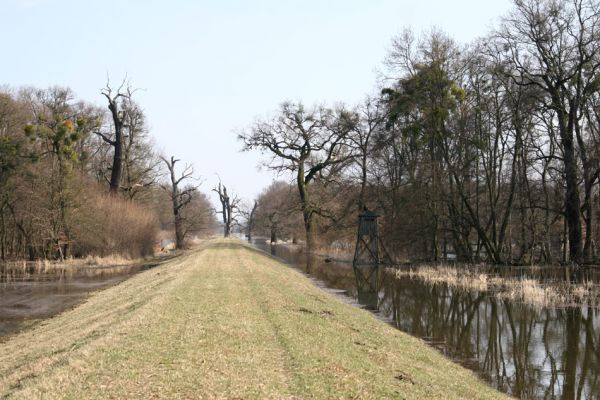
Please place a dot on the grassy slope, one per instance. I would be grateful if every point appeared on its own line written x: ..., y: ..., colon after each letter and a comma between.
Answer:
x: 224, y: 322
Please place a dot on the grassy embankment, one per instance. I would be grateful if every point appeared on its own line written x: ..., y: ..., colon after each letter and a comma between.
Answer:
x: 224, y: 321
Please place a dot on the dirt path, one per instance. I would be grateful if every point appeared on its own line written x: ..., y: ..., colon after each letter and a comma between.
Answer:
x: 224, y: 321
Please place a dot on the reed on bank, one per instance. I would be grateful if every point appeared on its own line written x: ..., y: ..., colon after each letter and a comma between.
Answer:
x: 551, y: 293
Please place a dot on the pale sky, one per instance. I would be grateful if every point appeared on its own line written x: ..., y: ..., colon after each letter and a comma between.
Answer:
x: 209, y: 68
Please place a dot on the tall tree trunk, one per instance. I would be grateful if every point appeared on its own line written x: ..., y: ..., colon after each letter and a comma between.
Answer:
x: 226, y: 208
x: 310, y: 240
x: 307, y: 214
x: 589, y: 178
x: 572, y: 200
x: 118, y: 117
x: 589, y: 227
x: 179, y: 236
x: 117, y: 165
x: 180, y: 198
x: 251, y: 220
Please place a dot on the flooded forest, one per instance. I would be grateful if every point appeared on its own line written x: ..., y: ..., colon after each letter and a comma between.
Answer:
x: 481, y: 162
x: 487, y: 152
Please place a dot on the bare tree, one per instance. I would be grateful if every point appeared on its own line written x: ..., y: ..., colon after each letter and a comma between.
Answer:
x: 198, y: 215
x: 229, y: 205
x: 310, y: 143
x: 117, y: 104
x: 555, y: 46
x: 371, y: 121
x: 421, y: 105
x: 278, y: 214
x: 49, y: 205
x: 250, y: 216
x: 180, y: 198
x: 140, y: 161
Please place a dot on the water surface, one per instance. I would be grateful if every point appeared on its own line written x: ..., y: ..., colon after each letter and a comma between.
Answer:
x: 526, y: 351
x: 27, y: 298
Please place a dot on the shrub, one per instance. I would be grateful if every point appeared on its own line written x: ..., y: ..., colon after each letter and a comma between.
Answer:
x: 105, y: 225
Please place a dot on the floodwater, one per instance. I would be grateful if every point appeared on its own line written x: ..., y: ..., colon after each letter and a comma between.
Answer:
x: 26, y: 298
x: 528, y: 352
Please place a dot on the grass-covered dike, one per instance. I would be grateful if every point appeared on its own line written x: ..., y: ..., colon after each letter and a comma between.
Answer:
x: 225, y: 321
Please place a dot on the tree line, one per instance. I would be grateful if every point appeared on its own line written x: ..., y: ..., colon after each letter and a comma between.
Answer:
x: 78, y: 179
x: 487, y: 151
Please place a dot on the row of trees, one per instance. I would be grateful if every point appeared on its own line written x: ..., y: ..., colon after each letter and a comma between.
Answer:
x: 488, y: 151
x: 78, y: 179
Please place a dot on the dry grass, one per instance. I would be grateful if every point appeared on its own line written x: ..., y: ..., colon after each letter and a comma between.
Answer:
x: 529, y: 291
x: 452, y: 276
x: 225, y: 322
x: 90, y: 266
x: 97, y: 261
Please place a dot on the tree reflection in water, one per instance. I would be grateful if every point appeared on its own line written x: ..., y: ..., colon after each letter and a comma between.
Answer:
x: 529, y: 352
x: 522, y: 350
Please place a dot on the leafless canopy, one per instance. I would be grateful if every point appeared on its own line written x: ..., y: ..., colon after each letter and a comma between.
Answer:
x: 180, y: 197
x: 230, y: 205
x: 309, y: 143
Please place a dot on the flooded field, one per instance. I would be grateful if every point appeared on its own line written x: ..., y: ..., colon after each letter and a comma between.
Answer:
x: 28, y: 296
x: 529, y: 352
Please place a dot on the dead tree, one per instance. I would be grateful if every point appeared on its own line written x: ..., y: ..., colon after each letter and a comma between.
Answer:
x: 116, y: 100
x: 180, y: 198
x: 228, y: 206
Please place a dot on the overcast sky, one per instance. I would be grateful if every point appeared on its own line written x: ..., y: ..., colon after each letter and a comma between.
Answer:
x: 209, y: 68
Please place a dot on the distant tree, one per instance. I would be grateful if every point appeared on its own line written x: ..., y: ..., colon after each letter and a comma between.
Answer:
x: 198, y: 216
x: 278, y: 214
x: 250, y: 217
x: 180, y: 197
x: 229, y: 206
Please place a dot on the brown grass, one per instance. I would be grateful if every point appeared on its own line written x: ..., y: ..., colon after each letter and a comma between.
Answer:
x: 90, y: 266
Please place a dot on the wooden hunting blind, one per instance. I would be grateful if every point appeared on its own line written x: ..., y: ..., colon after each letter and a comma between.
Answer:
x: 367, y: 259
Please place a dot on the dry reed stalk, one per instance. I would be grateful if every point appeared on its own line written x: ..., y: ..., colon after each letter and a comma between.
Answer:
x: 529, y: 291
